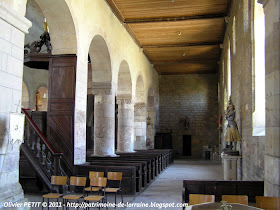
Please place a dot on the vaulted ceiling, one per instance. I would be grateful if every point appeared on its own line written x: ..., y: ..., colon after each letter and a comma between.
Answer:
x: 177, y: 36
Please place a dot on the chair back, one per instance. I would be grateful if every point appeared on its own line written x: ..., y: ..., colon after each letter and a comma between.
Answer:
x: 200, y: 198
x: 58, y: 180
x: 268, y: 203
x: 116, y: 176
x: 95, y: 174
x: 98, y: 182
x: 78, y: 181
x: 242, y: 199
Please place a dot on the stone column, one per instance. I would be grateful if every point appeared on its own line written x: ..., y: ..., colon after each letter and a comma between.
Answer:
x: 125, y: 125
x: 272, y: 75
x: 13, y: 26
x: 140, y: 124
x: 104, y: 122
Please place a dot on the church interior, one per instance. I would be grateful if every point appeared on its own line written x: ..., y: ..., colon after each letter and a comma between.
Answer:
x: 184, y: 92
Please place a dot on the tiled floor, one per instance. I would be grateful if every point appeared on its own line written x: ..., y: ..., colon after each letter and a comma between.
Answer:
x: 167, y: 188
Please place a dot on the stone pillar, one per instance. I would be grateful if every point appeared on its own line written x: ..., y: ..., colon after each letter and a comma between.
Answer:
x: 230, y: 167
x: 140, y: 125
x: 13, y: 25
x: 272, y: 75
x: 125, y: 125
x: 104, y: 122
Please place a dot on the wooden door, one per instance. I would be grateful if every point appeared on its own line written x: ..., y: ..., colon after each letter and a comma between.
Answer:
x: 61, y: 104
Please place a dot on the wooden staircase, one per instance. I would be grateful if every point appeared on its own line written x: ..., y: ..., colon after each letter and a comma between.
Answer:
x: 39, y: 161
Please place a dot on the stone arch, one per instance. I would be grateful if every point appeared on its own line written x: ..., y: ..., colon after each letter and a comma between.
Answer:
x: 25, y: 96
x: 150, y: 119
x: 124, y: 81
x: 140, y: 110
x: 104, y: 94
x: 125, y: 116
x: 61, y: 26
x: 100, y: 60
x: 140, y: 90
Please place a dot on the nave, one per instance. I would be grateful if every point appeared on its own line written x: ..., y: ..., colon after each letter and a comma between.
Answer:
x: 167, y: 187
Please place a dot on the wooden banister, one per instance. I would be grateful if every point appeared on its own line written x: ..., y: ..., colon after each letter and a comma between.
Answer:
x: 39, y: 133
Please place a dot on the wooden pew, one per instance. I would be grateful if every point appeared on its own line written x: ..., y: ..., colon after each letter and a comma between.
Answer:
x: 138, y: 166
x: 149, y: 164
x: 219, y: 188
x: 128, y: 180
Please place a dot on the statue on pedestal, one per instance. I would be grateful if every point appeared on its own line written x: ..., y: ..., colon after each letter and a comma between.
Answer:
x: 232, y: 135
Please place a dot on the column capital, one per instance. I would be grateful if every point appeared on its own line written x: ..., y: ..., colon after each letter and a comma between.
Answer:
x: 122, y: 101
x: 12, y: 17
x: 100, y: 88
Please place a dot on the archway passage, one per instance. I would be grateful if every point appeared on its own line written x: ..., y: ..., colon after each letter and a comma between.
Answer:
x: 125, y: 140
x: 140, y: 124
x: 104, y: 98
x: 100, y: 61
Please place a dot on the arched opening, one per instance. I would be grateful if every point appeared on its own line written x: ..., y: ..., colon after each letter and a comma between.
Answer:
x: 59, y: 81
x: 61, y: 27
x: 24, y: 97
x: 124, y: 81
x: 150, y: 119
x: 101, y: 93
x: 124, y: 109
x: 100, y: 60
x: 140, y: 110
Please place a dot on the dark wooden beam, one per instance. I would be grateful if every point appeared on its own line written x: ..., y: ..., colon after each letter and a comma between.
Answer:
x: 183, y: 45
x: 115, y: 10
x: 183, y: 73
x: 148, y: 20
x: 132, y: 34
x: 204, y: 61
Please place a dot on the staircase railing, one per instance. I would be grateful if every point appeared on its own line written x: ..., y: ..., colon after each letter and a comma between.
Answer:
x: 47, y: 160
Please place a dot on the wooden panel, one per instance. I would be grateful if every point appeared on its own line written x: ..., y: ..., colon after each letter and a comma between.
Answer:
x: 187, y: 68
x: 61, y: 107
x: 188, y: 53
x: 62, y: 75
x: 61, y: 103
x: 192, y: 31
x: 142, y: 9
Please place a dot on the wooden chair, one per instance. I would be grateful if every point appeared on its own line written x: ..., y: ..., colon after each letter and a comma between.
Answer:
x: 75, y: 182
x: 268, y: 203
x: 55, y: 181
x: 200, y: 198
x: 93, y: 174
x: 100, y: 182
x: 114, y: 178
x: 242, y: 199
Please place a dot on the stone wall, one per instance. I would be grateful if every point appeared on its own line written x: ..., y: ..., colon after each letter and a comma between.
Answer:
x: 194, y: 96
x: 242, y: 88
x: 13, y: 25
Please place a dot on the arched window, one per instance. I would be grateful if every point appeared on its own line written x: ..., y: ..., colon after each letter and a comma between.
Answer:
x: 258, y: 73
x: 228, y: 71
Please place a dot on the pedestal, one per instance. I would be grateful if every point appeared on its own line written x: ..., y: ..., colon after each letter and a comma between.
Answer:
x: 230, y: 166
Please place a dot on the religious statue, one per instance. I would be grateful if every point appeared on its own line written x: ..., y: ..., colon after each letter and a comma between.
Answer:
x: 38, y: 101
x: 232, y: 135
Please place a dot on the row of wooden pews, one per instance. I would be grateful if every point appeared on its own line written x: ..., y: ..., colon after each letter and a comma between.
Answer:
x: 139, y: 168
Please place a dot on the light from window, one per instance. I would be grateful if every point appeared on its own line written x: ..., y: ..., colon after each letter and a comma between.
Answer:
x: 259, y: 69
